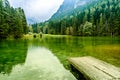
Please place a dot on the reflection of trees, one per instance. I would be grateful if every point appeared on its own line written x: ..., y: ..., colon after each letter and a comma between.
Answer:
x: 71, y: 46
x: 12, y: 53
x: 65, y: 47
x: 62, y: 47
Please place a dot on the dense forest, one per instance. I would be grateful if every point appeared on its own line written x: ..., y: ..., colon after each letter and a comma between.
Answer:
x: 98, y: 18
x: 101, y: 18
x: 12, y: 21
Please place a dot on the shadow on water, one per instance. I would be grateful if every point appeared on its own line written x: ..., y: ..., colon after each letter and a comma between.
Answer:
x: 12, y: 52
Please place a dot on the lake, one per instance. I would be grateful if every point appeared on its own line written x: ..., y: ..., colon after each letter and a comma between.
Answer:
x: 46, y: 58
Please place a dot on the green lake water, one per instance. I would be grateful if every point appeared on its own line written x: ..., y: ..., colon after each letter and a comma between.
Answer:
x: 46, y: 58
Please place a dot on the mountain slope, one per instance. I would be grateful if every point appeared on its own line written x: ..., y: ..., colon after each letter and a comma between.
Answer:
x: 90, y: 18
x: 65, y: 8
x: 68, y: 8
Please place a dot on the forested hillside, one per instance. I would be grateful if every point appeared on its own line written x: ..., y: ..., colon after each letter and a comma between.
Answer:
x: 99, y: 18
x: 12, y: 21
x: 69, y: 8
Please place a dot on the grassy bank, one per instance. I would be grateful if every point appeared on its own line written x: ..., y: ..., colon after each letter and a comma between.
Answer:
x: 31, y: 36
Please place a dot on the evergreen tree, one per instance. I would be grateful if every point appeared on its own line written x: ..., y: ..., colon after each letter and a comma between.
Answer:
x: 98, y: 18
x: 12, y: 21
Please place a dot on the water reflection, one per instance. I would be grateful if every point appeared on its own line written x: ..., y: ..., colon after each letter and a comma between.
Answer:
x: 11, y: 54
x: 40, y: 64
x: 104, y: 48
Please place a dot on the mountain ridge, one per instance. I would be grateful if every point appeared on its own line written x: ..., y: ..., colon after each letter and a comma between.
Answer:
x: 68, y: 7
x: 95, y: 18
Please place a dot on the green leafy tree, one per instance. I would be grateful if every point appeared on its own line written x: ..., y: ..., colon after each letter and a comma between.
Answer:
x: 12, y: 21
x: 98, y: 18
x: 87, y: 29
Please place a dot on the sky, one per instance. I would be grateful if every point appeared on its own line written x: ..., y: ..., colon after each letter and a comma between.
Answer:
x: 37, y: 10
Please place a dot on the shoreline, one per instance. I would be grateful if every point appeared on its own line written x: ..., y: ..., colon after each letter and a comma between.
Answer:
x: 31, y: 36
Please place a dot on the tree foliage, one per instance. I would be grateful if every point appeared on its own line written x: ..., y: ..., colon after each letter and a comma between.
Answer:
x: 12, y: 21
x: 101, y: 18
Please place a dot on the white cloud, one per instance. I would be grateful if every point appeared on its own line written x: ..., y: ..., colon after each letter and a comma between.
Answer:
x: 40, y: 10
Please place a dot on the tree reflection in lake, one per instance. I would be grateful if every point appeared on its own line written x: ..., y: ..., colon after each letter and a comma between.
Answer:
x: 104, y: 48
x: 12, y: 52
x: 40, y: 64
x: 59, y: 48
